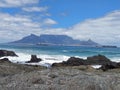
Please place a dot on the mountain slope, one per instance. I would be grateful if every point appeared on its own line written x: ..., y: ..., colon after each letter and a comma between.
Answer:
x: 54, y: 40
x: 28, y: 39
x: 57, y: 39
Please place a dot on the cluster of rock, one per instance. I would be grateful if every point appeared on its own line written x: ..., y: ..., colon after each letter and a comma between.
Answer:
x: 5, y: 60
x: 7, y: 53
x: 12, y: 53
x: 27, y: 77
x: 72, y: 61
x: 94, y: 60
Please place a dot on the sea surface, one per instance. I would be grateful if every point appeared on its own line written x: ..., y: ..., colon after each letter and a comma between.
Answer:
x: 52, y: 54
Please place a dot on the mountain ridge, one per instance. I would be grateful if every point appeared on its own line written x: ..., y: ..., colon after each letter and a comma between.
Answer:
x: 54, y: 40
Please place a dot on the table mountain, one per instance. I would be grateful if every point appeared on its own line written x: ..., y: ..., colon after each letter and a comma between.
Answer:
x: 54, y: 40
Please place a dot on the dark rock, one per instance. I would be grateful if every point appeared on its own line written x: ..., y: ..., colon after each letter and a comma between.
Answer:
x: 7, y: 53
x: 98, y: 60
x: 118, y: 64
x: 5, y: 60
x: 74, y: 61
x: 70, y: 62
x: 112, y: 65
x: 34, y: 59
x: 57, y: 64
x: 94, y: 60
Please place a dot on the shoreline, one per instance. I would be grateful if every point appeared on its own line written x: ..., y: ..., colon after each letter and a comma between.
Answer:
x: 14, y: 76
x: 46, y: 58
x: 49, y: 61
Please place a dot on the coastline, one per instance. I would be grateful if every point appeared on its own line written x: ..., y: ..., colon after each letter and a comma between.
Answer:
x: 23, y: 57
x: 16, y: 76
x: 27, y: 77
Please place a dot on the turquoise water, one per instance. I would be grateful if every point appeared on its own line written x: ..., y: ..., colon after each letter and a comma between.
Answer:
x: 64, y: 50
x: 61, y: 53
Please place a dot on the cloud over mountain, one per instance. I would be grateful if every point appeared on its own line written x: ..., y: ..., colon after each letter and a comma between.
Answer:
x: 105, y: 29
x: 24, y: 17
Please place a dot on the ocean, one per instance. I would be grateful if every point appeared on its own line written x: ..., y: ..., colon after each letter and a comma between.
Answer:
x: 55, y: 54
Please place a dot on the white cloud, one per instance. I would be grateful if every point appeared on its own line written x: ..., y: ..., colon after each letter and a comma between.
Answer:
x: 14, y: 27
x: 17, y: 26
x: 17, y: 3
x: 105, y: 30
x: 35, y: 9
x: 49, y: 21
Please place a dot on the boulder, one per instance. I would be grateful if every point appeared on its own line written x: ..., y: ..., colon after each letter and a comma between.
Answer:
x: 4, y: 60
x: 34, y: 59
x: 7, y: 53
x: 97, y: 60
x: 94, y: 60
x: 118, y: 64
x: 72, y: 61
x: 112, y: 65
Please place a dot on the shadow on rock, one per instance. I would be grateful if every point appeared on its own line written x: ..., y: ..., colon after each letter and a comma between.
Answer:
x: 34, y: 59
x: 7, y: 53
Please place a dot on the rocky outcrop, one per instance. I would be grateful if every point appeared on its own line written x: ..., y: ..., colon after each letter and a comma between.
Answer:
x: 17, y: 77
x: 74, y: 61
x: 118, y: 64
x: 84, y: 77
x: 97, y: 60
x: 70, y: 62
x: 7, y: 53
x: 34, y: 59
x: 111, y: 65
x: 94, y: 60
x: 5, y: 60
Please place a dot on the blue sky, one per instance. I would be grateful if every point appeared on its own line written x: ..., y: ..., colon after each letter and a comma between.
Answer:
x: 98, y: 20
x: 70, y: 12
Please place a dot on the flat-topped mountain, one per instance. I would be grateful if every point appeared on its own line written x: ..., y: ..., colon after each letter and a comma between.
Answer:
x: 54, y: 40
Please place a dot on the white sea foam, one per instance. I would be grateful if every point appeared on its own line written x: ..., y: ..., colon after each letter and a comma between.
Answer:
x: 115, y: 59
x: 96, y: 66
x: 83, y: 57
x: 22, y: 58
x: 47, y: 60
